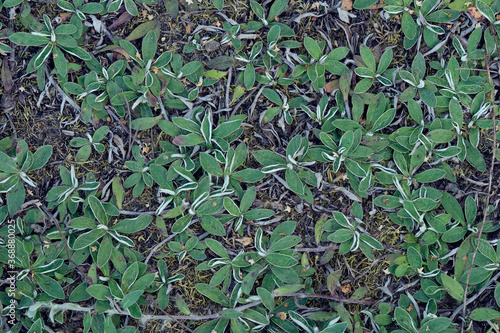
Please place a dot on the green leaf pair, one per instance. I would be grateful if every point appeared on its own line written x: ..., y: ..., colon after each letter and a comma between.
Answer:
x: 56, y: 41
x: 86, y: 144
x: 13, y: 172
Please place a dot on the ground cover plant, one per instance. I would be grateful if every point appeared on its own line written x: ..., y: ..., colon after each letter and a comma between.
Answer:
x: 252, y: 166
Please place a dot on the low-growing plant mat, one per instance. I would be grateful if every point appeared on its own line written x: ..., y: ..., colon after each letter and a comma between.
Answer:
x: 245, y: 166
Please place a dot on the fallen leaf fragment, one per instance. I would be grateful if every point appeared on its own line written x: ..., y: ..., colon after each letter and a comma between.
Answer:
x: 245, y: 241
x: 346, y: 288
x: 346, y: 5
x: 476, y: 14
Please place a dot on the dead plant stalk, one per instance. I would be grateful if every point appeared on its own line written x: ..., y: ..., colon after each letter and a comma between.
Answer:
x: 490, y: 180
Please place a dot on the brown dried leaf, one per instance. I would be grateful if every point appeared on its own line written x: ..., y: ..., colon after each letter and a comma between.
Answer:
x: 124, y: 18
x: 6, y: 76
x: 475, y: 13
x: 331, y: 86
x: 245, y: 241
x: 346, y: 5
x: 346, y: 288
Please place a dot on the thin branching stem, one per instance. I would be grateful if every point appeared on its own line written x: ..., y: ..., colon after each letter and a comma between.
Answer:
x: 490, y: 181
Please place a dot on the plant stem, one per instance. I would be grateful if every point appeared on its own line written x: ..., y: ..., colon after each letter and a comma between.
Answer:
x: 146, y: 317
x: 490, y: 180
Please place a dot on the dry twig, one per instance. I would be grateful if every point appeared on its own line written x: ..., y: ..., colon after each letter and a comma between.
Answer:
x: 490, y: 181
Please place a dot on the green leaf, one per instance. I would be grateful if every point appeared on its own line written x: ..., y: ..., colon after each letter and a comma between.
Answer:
x: 485, y: 10
x: 255, y: 317
x: 276, y: 9
x: 258, y: 214
x: 441, y: 135
x: 404, y: 320
x: 470, y: 210
x: 7, y: 164
x: 219, y: 4
x: 129, y: 276
x: 142, y: 124
x: 100, y: 133
x: 272, y: 95
x: 312, y: 47
x: 249, y: 279
x: 418, y: 67
x: 451, y: 205
x: 385, y: 61
x: 99, y: 292
x: 249, y: 76
x: 212, y: 225
x: 59, y: 61
x: 363, y: 86
x: 221, y: 62
x: 454, y: 235
x: 105, y: 251
x: 130, y: 226
x: 497, y: 294
x: 131, y: 298
x: 258, y: 10
x: 83, y: 153
x: 387, y: 201
x: 267, y: 158
x: 82, y: 222
x: 217, y: 248
x: 424, y: 204
x: 487, y: 250
x: 281, y: 260
x: 266, y: 297
x: 288, y: 289
x: 50, y: 286
x: 65, y: 5
x: 210, y: 165
x: 26, y: 39
x: 238, y: 92
x: 131, y: 7
x: 435, y: 325
x: 149, y: 44
x: 408, y: 77
x: 65, y: 29
x: 294, y: 182
x: 477, y: 275
x: 371, y: 242
x: 415, y: 112
x: 92, y: 8
x: 284, y: 243
x: 429, y: 176
x: 213, y: 293
x: 368, y: 58
x: 364, y: 71
x: 364, y: 4
x: 80, y: 293
x: 181, y: 224
x: 248, y: 175
x: 384, y: 120
x: 474, y: 157
x: 414, y: 258
x: 190, y: 68
x: 231, y: 207
x: 98, y: 210
x: 484, y: 314
x: 118, y: 191
x: 88, y: 238
x: 341, y: 236
x: 453, y: 287
x: 15, y: 197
